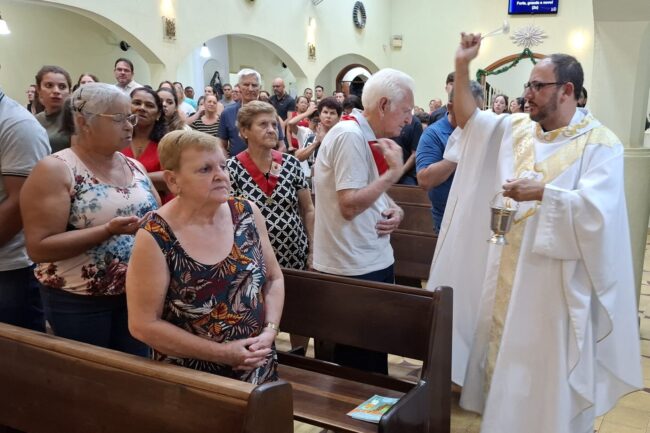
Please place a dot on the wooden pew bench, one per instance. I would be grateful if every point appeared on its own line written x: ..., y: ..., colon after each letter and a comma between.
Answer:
x: 413, y: 252
x: 408, y: 322
x: 409, y: 194
x: 50, y: 384
x: 417, y: 217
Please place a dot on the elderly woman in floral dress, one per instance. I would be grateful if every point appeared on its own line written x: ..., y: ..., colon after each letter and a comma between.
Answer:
x: 81, y: 207
x: 204, y: 287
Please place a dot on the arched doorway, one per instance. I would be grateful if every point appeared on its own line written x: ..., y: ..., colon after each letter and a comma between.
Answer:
x: 507, y: 75
x: 230, y: 53
x: 351, y: 79
x: 346, y: 73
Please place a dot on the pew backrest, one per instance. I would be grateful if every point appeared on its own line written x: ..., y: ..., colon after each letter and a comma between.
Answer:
x: 400, y: 320
x: 413, y: 252
x: 50, y: 384
x: 409, y: 194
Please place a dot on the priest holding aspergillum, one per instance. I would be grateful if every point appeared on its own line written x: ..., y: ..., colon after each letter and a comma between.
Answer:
x: 545, y: 331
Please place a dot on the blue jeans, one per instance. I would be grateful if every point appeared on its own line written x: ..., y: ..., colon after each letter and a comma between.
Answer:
x: 364, y: 359
x: 98, y: 320
x: 20, y: 302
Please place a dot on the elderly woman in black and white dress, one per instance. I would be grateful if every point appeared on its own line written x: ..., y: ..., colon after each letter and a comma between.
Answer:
x: 274, y: 181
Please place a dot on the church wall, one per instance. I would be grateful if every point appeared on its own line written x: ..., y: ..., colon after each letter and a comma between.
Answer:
x: 431, y: 32
x: 282, y: 22
x: 622, y: 78
x: 245, y: 52
x: 43, y: 35
x: 86, y: 36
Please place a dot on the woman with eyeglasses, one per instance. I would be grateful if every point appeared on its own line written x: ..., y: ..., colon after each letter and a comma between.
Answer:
x: 81, y: 207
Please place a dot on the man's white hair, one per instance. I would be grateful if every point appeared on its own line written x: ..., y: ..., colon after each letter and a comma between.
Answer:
x: 247, y: 72
x: 386, y: 83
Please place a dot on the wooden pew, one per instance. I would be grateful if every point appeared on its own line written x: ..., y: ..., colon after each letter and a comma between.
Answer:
x: 50, y: 384
x: 413, y: 252
x: 417, y: 217
x: 409, y: 194
x: 388, y: 318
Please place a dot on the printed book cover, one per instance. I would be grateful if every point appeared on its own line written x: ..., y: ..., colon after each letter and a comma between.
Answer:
x: 372, y: 409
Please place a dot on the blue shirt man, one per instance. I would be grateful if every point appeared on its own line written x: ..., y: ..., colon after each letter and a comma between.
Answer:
x: 249, y: 85
x: 430, y: 150
x: 229, y: 132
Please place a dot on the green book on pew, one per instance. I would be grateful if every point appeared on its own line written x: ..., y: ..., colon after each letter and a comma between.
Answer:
x: 372, y: 409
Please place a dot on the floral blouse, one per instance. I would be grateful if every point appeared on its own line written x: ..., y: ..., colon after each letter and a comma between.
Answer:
x: 101, y: 270
x: 220, y: 302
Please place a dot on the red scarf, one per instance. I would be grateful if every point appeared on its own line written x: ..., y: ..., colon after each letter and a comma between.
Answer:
x: 266, y: 184
x: 380, y: 161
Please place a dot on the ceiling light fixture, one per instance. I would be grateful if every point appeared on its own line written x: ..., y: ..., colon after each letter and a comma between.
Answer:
x: 205, y: 52
x: 4, y: 28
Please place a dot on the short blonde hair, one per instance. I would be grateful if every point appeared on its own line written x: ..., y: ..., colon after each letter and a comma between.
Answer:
x: 174, y: 143
x: 247, y: 113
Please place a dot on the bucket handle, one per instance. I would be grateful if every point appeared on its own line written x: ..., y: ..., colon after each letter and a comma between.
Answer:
x: 506, y: 202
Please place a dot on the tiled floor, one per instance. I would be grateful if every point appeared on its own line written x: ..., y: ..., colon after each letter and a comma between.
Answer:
x: 631, y: 414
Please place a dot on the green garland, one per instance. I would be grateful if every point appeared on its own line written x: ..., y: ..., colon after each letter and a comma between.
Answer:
x: 524, y: 54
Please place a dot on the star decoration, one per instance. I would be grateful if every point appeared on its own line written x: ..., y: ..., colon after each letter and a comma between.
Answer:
x: 529, y: 36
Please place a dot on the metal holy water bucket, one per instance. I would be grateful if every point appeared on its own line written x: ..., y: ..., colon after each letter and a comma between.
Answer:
x: 501, y: 217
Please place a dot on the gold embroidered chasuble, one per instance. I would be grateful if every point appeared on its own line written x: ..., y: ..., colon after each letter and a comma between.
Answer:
x: 523, y: 150
x: 550, y: 289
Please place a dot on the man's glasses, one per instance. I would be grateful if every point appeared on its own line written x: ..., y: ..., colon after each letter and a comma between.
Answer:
x: 536, y: 86
x: 120, y: 117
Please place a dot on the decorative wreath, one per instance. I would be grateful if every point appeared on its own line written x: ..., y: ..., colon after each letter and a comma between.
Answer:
x: 359, y: 15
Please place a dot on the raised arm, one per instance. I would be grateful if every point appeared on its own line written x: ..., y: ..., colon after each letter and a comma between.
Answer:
x: 464, y: 103
x: 292, y: 123
x: 354, y: 201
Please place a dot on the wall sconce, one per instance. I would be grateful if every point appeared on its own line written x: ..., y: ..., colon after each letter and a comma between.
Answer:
x: 169, y: 29
x: 311, y: 39
x: 396, y: 42
x: 4, y: 28
x: 205, y: 52
x: 311, y: 51
x: 578, y: 40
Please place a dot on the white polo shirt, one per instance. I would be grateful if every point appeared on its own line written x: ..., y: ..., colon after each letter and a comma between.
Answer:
x: 345, y: 161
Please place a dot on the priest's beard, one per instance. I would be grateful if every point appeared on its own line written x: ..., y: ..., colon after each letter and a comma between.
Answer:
x: 546, y: 111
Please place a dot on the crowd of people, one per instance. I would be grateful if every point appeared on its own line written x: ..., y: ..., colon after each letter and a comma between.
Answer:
x: 158, y: 225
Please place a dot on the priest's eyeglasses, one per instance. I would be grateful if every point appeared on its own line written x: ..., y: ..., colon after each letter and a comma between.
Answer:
x: 121, y: 117
x: 536, y: 86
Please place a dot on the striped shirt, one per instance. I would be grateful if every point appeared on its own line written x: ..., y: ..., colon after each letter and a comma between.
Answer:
x: 208, y: 129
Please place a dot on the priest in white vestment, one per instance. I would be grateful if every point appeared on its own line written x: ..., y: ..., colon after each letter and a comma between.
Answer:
x: 545, y: 331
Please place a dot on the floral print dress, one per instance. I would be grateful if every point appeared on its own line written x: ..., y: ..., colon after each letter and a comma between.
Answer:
x: 101, y: 270
x: 220, y: 302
